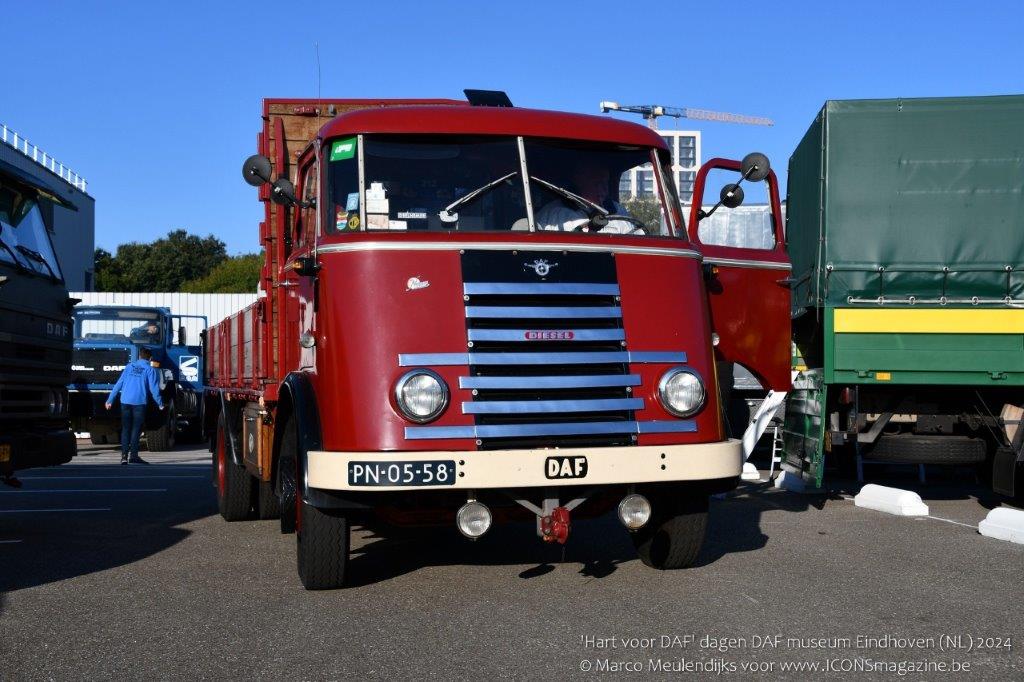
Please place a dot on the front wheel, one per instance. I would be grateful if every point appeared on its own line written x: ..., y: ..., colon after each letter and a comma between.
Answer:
x: 673, y: 537
x: 162, y: 439
x: 322, y: 541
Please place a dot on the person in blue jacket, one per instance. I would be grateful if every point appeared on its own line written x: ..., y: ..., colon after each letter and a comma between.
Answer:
x: 136, y: 379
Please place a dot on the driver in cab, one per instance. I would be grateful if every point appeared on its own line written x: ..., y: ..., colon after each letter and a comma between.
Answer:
x: 148, y: 333
x: 590, y: 182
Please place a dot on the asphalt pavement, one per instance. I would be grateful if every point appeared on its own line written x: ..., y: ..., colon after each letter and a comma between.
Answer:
x: 111, y: 572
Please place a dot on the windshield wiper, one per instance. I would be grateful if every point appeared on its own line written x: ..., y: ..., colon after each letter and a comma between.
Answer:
x: 14, y: 257
x: 37, y: 257
x: 575, y: 198
x: 446, y: 215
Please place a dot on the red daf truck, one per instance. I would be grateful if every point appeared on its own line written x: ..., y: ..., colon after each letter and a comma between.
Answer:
x: 462, y: 325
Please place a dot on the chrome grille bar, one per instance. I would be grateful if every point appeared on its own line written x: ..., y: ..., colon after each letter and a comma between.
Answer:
x: 583, y: 358
x: 547, y: 382
x: 547, y: 335
x: 562, y: 429
x: 542, y: 312
x: 551, y: 289
x: 561, y: 406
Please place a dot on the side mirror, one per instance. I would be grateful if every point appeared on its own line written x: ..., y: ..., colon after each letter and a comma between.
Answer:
x: 755, y: 167
x: 731, y: 196
x: 182, y: 336
x: 256, y: 170
x: 283, y: 192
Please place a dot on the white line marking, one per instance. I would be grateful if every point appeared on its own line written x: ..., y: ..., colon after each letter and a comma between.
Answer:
x: 958, y: 523
x: 86, y: 478
x: 43, y: 511
x: 90, y: 490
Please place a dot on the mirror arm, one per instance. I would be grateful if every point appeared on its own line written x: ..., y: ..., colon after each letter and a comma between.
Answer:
x: 702, y: 214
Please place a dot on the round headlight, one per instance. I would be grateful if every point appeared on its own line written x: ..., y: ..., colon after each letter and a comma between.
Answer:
x: 681, y: 392
x: 634, y: 511
x: 421, y: 395
x: 473, y: 519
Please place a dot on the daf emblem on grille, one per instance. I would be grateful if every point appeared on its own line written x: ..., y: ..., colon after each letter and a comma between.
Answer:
x: 541, y: 267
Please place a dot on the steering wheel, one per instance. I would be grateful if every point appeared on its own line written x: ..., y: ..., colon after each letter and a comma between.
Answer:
x: 601, y: 220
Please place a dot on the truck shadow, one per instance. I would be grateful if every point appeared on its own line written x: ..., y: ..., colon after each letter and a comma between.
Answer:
x: 121, y: 528
x: 597, y: 546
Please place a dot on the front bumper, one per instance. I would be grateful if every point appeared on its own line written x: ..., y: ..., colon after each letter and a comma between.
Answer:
x: 33, y: 448
x: 327, y: 470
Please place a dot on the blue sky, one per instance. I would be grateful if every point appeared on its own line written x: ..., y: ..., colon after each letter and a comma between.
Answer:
x: 157, y: 107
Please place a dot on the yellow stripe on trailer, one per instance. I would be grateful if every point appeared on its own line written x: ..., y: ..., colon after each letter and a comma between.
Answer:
x: 928, y: 321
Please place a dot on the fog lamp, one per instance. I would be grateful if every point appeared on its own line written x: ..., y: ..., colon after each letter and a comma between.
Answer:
x: 473, y: 519
x: 634, y: 511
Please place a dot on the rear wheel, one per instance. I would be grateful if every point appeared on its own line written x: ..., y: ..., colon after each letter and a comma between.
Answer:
x: 915, y: 449
x: 234, y: 485
x: 267, y: 504
x: 162, y: 439
x: 673, y: 537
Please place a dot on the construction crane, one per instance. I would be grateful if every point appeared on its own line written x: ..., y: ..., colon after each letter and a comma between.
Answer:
x: 651, y: 112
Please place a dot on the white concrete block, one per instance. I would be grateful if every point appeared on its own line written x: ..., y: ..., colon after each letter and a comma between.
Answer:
x: 787, y: 480
x: 750, y: 472
x: 1003, y: 523
x: 891, y: 500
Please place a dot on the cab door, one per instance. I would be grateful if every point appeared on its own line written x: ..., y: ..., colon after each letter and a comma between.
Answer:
x: 746, y: 273
x: 299, y: 304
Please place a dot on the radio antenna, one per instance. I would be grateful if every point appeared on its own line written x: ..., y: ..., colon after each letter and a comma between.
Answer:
x: 319, y: 101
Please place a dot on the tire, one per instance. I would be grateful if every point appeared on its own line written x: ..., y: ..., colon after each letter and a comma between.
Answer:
x: 234, y: 484
x: 267, y: 504
x: 321, y: 541
x: 914, y: 449
x: 673, y: 540
x: 287, y: 476
x: 97, y: 438
x: 162, y: 439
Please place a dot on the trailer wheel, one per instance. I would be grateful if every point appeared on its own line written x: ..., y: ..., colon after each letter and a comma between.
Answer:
x: 322, y: 539
x: 162, y: 439
x: 914, y: 449
x: 267, y: 504
x: 673, y: 539
x: 234, y: 485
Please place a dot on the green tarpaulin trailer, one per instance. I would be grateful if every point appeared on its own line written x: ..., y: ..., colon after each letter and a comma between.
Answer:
x: 906, y: 233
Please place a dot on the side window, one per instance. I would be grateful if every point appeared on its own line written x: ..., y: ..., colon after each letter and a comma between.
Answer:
x: 305, y: 231
x: 748, y: 225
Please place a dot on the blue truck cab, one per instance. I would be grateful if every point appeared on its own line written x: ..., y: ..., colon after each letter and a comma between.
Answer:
x: 106, y: 339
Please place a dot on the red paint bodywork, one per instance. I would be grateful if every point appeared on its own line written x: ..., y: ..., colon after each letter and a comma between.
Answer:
x: 367, y: 316
x: 750, y: 304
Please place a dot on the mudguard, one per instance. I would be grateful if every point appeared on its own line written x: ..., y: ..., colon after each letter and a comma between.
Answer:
x: 231, y: 442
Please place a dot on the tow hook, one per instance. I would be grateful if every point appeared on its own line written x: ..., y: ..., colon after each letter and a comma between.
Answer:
x: 555, y: 527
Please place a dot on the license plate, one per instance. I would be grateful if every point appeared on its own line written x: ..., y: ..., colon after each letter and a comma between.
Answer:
x: 432, y: 472
x: 5, y: 453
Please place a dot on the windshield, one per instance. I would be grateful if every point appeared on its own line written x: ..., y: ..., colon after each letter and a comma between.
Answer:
x: 112, y: 324
x: 24, y: 240
x: 475, y: 184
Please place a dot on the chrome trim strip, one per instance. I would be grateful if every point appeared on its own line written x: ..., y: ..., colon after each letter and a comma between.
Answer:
x: 567, y: 358
x: 514, y: 288
x: 540, y: 383
x: 764, y: 264
x: 563, y: 429
x: 541, y: 312
x: 507, y: 246
x: 538, y: 406
x: 520, y: 335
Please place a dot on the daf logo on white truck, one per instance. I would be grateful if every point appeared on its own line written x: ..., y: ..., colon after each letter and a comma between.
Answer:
x: 565, y: 467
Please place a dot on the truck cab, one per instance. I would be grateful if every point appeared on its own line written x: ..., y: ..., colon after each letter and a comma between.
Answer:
x: 35, y: 328
x: 465, y: 325
x: 106, y: 339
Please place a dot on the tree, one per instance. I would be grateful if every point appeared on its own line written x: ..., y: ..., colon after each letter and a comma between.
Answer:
x: 647, y: 209
x: 236, y: 275
x: 164, y: 265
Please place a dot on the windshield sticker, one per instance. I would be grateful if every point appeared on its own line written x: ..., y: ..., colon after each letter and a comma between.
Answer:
x: 341, y: 220
x: 412, y: 215
x: 397, y: 225
x: 353, y: 223
x: 343, y: 149
x: 352, y: 202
